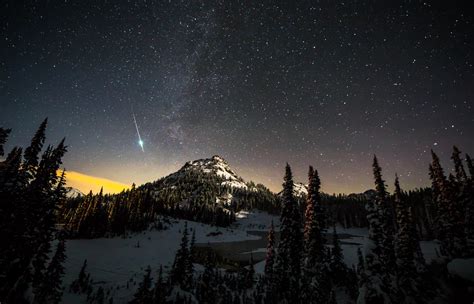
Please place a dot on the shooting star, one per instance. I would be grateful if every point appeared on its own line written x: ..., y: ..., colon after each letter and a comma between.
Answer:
x: 140, y: 141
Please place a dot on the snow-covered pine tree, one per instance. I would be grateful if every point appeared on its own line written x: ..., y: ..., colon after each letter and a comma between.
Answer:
x: 250, y: 274
x: 461, y: 199
x: 144, y: 294
x: 376, y: 281
x: 385, y: 209
x: 190, y: 259
x: 407, y: 276
x: 179, y: 274
x: 316, y: 262
x: 453, y: 242
x: 337, y: 265
x: 270, y: 257
x: 270, y: 284
x: 469, y: 218
x: 159, y: 290
x: 288, y: 263
x: 205, y: 290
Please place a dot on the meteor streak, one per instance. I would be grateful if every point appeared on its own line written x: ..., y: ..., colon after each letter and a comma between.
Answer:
x: 140, y: 141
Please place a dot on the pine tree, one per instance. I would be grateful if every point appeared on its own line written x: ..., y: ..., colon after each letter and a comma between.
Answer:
x: 450, y: 228
x: 338, y: 267
x: 288, y: 262
x: 458, y: 166
x: 461, y: 201
x: 159, y: 291
x: 179, y: 274
x: 316, y: 261
x: 82, y: 283
x: 310, y: 198
x: 270, y: 257
x: 3, y: 139
x: 469, y: 214
x: 470, y: 166
x: 51, y: 289
x: 29, y: 194
x: 375, y: 281
x: 32, y: 152
x: 250, y: 274
x: 360, y: 263
x: 99, y: 296
x: 407, y: 275
x: 205, y: 291
x: 270, y: 292
x: 189, y: 261
x: 144, y: 294
x: 387, y: 218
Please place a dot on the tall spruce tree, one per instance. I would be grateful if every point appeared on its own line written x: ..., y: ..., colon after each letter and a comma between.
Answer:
x: 316, y: 261
x: 270, y: 292
x: 32, y: 152
x: 449, y: 228
x: 338, y: 267
x: 376, y: 281
x: 159, y: 290
x: 461, y: 200
x: 270, y: 257
x: 385, y: 209
x: 469, y: 215
x: 3, y: 139
x: 144, y: 293
x: 29, y: 192
x: 179, y: 274
x: 288, y: 262
x: 206, y: 292
x: 51, y: 289
x: 407, y: 276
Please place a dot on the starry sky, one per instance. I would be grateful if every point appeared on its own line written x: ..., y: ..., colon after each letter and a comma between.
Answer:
x: 260, y: 83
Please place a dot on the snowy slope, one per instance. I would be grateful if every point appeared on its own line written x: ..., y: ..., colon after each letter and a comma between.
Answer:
x: 114, y: 261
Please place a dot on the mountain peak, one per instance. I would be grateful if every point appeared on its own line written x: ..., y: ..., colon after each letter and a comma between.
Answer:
x: 218, y: 158
x: 216, y: 165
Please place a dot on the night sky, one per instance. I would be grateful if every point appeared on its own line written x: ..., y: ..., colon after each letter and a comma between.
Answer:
x: 258, y: 83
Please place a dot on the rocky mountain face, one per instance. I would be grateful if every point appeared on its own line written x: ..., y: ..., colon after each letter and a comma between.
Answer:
x: 211, y: 182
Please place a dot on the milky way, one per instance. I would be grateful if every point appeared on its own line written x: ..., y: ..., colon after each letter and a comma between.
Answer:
x: 257, y: 83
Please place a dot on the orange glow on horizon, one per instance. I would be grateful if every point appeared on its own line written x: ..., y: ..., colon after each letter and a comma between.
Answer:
x: 86, y: 183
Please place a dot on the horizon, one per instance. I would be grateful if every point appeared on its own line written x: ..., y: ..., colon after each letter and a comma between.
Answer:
x: 86, y: 183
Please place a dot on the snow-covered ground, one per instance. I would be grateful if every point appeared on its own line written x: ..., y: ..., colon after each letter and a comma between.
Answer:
x: 114, y: 261
x: 256, y: 221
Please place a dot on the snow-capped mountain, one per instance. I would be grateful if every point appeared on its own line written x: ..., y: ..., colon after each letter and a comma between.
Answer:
x: 218, y: 166
x: 210, y: 182
x: 73, y: 192
x: 299, y: 190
